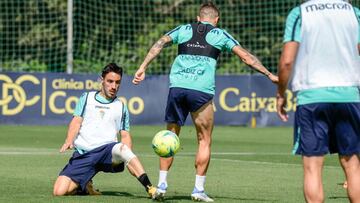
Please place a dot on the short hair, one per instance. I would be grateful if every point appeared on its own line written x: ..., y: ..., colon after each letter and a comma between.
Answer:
x: 209, y: 10
x: 111, y: 67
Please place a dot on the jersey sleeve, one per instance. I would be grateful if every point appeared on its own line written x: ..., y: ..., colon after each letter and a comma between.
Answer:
x: 293, y: 26
x: 174, y: 34
x: 229, y: 41
x: 125, y: 121
x: 80, y: 106
x: 357, y: 13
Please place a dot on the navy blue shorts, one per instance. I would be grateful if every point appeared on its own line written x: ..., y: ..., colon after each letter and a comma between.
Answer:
x: 322, y: 128
x: 181, y: 101
x: 83, y: 167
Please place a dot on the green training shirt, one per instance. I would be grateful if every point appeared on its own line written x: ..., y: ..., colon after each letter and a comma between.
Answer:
x: 194, y: 71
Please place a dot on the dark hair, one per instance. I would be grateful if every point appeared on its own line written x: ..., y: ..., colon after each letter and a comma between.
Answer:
x: 111, y: 67
x: 209, y: 9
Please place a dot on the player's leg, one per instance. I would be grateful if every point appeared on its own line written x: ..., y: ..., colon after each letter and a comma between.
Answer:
x: 175, y: 116
x: 165, y: 164
x: 76, y: 176
x: 64, y: 186
x: 313, y: 140
x: 347, y: 119
x: 313, y: 188
x: 351, y: 166
x: 204, y: 123
x: 203, y: 119
x: 122, y: 153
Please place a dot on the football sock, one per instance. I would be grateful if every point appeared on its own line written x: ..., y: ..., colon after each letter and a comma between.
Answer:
x: 199, y: 182
x: 162, y: 177
x: 144, y: 180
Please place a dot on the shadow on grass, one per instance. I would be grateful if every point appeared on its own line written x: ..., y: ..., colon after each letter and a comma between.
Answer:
x: 112, y: 193
x: 122, y: 194
x: 218, y: 198
x: 339, y: 197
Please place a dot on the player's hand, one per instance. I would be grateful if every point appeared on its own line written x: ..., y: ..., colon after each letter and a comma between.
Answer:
x: 139, y: 76
x: 280, y: 107
x: 66, y: 146
x: 274, y: 78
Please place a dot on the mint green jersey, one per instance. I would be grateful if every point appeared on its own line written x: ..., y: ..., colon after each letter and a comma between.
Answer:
x: 194, y: 71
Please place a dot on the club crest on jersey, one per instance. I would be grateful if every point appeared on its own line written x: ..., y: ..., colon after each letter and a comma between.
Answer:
x: 102, y: 114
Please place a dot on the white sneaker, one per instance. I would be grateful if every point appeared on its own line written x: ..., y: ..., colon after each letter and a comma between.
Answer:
x: 160, y: 192
x: 200, y: 196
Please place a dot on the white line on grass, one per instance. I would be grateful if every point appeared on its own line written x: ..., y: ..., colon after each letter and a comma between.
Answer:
x: 49, y: 151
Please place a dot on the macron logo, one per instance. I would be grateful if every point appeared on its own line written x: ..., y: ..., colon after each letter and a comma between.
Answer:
x: 328, y: 6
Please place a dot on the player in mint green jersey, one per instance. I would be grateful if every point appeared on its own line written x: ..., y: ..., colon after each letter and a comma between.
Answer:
x: 192, y: 85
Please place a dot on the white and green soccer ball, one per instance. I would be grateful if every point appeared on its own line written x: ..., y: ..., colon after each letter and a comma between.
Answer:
x: 165, y: 143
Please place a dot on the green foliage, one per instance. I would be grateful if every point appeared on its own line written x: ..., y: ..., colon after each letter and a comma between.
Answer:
x: 24, y: 66
x: 123, y: 32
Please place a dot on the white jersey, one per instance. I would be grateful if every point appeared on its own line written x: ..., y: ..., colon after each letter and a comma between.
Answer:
x: 328, y: 55
x: 101, y: 122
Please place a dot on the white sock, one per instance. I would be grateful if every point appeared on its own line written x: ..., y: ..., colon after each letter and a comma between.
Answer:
x: 162, y: 177
x: 200, y: 182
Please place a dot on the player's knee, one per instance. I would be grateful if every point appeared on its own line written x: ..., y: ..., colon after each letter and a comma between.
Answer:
x: 122, y: 153
x: 58, y: 191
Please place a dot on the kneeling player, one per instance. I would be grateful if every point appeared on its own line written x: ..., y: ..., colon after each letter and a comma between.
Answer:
x: 98, y: 118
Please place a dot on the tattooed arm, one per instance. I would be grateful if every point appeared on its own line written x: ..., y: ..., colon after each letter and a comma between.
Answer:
x: 253, y: 62
x: 151, y: 55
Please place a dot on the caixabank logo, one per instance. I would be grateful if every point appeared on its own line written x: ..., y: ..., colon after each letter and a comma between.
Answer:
x: 14, y: 97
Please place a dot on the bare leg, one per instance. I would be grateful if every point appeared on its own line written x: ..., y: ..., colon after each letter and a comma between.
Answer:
x: 313, y: 188
x: 135, y: 167
x: 165, y: 163
x: 351, y: 167
x: 64, y: 186
x: 204, y: 123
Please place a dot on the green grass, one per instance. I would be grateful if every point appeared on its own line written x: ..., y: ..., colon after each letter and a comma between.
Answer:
x: 247, y: 165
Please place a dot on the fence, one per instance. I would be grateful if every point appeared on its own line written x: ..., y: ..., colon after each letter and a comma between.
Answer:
x: 38, y: 36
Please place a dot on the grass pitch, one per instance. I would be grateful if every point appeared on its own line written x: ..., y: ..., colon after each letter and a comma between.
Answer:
x: 247, y: 165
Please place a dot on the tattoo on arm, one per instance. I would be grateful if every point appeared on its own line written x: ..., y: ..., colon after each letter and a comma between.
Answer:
x: 255, y: 63
x: 156, y: 49
x: 159, y: 44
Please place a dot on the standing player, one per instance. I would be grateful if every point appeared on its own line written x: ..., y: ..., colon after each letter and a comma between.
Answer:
x: 322, y: 45
x: 98, y: 118
x: 192, y: 85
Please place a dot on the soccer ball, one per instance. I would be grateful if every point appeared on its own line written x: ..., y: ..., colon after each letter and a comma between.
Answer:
x: 165, y: 143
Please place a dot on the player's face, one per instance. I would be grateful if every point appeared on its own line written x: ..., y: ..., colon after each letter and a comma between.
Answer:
x: 110, y: 85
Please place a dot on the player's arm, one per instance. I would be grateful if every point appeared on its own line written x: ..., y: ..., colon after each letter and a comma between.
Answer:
x: 253, y: 62
x: 359, y: 48
x: 151, y: 55
x: 75, y: 123
x: 125, y: 128
x: 73, y: 130
x: 286, y: 63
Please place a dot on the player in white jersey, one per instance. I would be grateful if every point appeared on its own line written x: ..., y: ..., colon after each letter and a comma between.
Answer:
x: 321, y: 52
x: 98, y: 119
